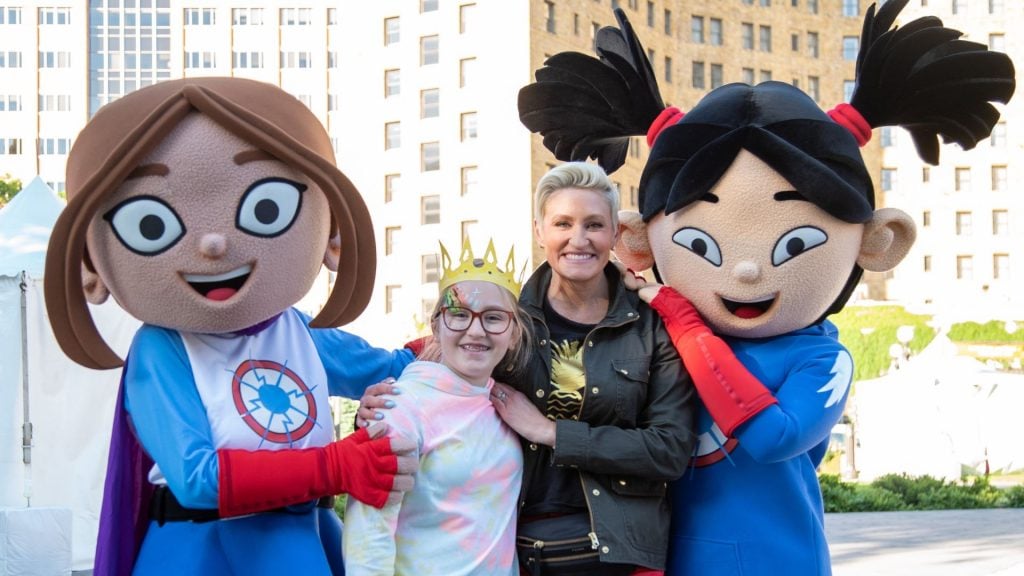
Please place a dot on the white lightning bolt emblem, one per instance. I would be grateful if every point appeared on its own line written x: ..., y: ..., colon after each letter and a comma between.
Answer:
x: 842, y: 375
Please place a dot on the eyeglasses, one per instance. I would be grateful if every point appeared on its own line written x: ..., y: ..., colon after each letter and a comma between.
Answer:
x: 493, y: 321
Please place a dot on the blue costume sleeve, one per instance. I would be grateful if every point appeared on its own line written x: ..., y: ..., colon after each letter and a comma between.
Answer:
x: 352, y: 364
x: 811, y: 398
x: 169, y: 416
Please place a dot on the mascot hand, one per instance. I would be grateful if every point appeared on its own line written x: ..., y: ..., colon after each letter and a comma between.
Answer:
x: 371, y: 467
x: 681, y: 318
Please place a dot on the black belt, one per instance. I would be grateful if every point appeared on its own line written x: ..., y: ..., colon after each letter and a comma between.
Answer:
x: 164, y: 507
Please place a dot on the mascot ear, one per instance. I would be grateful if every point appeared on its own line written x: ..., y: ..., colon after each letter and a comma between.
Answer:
x: 96, y: 291
x: 633, y: 249
x: 888, y: 237
x: 332, y: 255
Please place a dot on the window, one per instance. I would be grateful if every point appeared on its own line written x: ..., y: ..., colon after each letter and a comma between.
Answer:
x: 295, y: 16
x: 851, y: 45
x: 247, y: 59
x: 390, y: 296
x: 999, y: 178
x: 634, y: 148
x: 204, y: 59
x: 53, y: 146
x: 668, y: 69
x: 392, y: 135
x: 467, y: 229
x: 428, y: 5
x: 296, y: 59
x: 247, y: 16
x: 926, y: 265
x: 650, y: 14
x: 697, y: 75
x: 926, y: 218
x: 391, y: 31
x: 200, y: 16
x: 594, y: 27
x: 812, y: 6
x: 962, y: 179
x: 1000, y: 222
x: 964, y: 267
x: 795, y: 82
x: 715, y: 33
x: 549, y: 23
x: 998, y: 137
x: 332, y: 16
x: 467, y: 12
x: 697, y: 29
x: 848, y: 88
x: 747, y: 33
x: 466, y: 68
x: 10, y: 59
x: 10, y: 103
x: 888, y: 179
x: 716, y: 76
x: 392, y: 186
x: 765, y: 38
x: 430, y: 103
x: 430, y: 209
x: 430, y: 156
x: 468, y: 185
x: 10, y: 146
x: 926, y: 174
x: 1000, y: 266
x: 392, y: 82
x: 747, y: 76
x: 814, y: 87
x: 766, y: 75
x: 429, y: 266
x: 766, y: 3
x: 333, y: 102
x: 995, y: 6
x: 812, y: 44
x: 794, y: 42
x: 964, y: 224
x: 54, y: 102
x: 333, y: 59
x: 575, y: 24
x: 997, y: 42
x: 428, y: 50
x: 851, y: 7
x: 887, y: 136
x: 55, y: 59
x: 10, y: 15
x: 668, y: 22
x: 391, y: 234
x: 959, y: 7
x: 54, y: 16
x: 467, y: 124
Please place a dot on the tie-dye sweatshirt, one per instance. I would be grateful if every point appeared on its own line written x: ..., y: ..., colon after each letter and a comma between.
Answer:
x: 460, y: 519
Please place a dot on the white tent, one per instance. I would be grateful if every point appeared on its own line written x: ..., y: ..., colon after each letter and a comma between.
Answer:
x: 70, y: 408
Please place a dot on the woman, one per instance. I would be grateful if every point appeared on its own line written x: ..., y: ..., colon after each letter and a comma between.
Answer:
x: 206, y: 207
x: 460, y: 517
x: 604, y: 408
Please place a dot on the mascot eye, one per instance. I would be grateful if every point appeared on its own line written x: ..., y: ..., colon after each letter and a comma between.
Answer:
x: 700, y: 243
x: 145, y: 225
x: 796, y: 242
x: 269, y: 207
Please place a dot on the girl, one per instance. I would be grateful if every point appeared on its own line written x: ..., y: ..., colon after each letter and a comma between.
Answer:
x: 460, y: 518
x: 206, y: 206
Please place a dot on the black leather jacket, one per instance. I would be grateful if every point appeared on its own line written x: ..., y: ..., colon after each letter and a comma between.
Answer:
x: 634, y: 432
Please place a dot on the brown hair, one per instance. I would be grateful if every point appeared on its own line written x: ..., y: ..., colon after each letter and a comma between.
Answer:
x: 124, y: 132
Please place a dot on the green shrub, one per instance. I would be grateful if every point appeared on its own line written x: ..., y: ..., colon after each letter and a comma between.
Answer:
x: 868, y: 332
x: 902, y: 492
x: 992, y: 331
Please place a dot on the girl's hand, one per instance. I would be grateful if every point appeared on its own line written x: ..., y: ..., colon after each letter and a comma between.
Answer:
x: 374, y: 399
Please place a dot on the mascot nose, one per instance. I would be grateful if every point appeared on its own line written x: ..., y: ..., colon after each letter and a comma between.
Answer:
x: 213, y: 246
x: 747, y: 272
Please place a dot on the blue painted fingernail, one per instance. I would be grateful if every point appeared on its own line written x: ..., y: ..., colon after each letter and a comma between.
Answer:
x: 378, y: 416
x: 395, y: 391
x: 389, y: 404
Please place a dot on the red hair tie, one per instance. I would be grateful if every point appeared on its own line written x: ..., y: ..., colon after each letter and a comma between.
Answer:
x: 668, y: 117
x: 848, y: 117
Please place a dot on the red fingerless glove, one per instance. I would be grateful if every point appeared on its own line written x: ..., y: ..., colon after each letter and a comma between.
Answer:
x: 730, y: 392
x: 261, y: 480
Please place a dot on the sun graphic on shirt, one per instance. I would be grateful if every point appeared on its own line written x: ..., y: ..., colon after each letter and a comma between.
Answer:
x: 567, y: 379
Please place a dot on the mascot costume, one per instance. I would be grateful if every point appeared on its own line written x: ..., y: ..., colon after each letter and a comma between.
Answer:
x: 205, y: 207
x: 757, y: 213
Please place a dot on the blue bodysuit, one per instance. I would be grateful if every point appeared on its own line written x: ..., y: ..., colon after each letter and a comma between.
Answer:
x: 189, y: 395
x: 751, y: 504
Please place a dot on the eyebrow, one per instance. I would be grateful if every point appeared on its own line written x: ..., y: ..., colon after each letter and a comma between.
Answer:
x: 789, y: 195
x: 144, y: 170
x: 252, y: 155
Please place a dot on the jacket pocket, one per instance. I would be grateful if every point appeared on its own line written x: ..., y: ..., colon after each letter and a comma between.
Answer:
x: 631, y: 375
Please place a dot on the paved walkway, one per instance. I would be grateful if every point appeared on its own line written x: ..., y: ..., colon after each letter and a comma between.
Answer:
x: 939, y: 543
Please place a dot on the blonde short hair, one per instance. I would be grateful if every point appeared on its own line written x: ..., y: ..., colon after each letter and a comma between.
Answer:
x: 580, y: 175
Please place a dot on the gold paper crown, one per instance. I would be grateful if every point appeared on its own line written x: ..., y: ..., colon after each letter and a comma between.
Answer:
x: 482, y: 269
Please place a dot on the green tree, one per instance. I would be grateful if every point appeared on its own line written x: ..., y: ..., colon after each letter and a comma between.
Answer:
x: 9, y: 186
